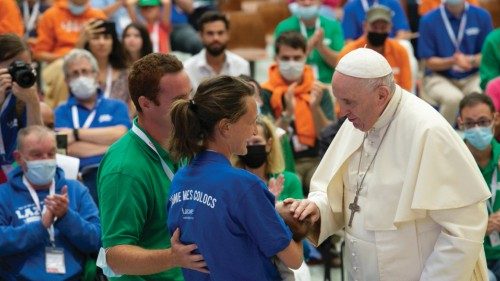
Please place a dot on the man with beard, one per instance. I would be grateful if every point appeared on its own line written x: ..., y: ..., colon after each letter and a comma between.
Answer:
x: 377, y: 27
x: 214, y: 59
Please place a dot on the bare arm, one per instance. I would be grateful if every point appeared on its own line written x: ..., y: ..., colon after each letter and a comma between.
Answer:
x: 165, y: 13
x: 86, y: 149
x: 102, y: 136
x: 134, y: 260
x: 291, y: 256
x: 439, y: 64
x: 319, y: 117
x: 185, y: 5
x: 30, y: 97
x: 46, y: 56
x: 330, y: 56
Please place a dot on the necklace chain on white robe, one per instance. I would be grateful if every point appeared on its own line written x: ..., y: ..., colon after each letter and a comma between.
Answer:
x: 354, y: 207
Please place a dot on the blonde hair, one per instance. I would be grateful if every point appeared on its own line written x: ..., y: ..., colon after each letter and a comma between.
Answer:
x: 274, y: 163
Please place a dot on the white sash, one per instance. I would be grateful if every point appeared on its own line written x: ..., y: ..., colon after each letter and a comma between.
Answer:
x: 155, y: 37
x: 494, y: 188
x: 29, y: 20
x: 366, y: 6
x: 109, y: 82
x: 76, y: 119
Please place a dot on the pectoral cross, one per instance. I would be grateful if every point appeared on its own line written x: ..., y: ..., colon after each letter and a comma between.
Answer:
x: 354, y: 207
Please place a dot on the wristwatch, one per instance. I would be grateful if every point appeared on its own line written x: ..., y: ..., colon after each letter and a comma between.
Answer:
x: 75, y: 134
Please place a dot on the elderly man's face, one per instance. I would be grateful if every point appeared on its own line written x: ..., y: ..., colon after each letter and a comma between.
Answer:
x: 35, y: 147
x: 361, y: 106
x: 80, y: 67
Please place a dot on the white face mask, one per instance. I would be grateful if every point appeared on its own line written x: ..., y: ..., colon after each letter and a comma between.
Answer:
x: 83, y: 87
x: 291, y: 70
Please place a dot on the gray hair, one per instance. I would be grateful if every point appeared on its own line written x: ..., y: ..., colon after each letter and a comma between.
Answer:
x: 387, y: 80
x: 39, y: 131
x: 76, y: 54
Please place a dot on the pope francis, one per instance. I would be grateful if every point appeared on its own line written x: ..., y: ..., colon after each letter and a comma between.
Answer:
x: 400, y: 182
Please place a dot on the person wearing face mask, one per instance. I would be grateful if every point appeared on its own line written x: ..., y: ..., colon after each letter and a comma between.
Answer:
x: 450, y: 42
x: 47, y: 223
x: 477, y: 118
x: 91, y: 122
x: 300, y: 104
x: 324, y: 36
x: 61, y: 28
x: 377, y: 27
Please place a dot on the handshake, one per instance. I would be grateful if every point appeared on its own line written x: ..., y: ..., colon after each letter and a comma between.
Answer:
x: 300, y: 229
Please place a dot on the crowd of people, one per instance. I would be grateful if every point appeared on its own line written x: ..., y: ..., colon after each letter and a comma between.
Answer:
x: 118, y: 159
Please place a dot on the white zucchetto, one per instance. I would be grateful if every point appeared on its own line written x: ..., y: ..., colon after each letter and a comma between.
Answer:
x: 364, y: 63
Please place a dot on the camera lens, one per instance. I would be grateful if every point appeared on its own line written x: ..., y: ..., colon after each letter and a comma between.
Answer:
x: 22, y: 74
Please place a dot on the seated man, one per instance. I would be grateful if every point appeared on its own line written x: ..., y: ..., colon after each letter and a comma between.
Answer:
x: 355, y: 14
x: 91, y: 121
x: 323, y: 35
x: 450, y: 42
x: 477, y: 118
x: 47, y: 223
x: 377, y: 27
x: 299, y: 103
x: 214, y: 59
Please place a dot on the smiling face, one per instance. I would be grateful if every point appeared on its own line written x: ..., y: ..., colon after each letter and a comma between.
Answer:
x: 241, y: 131
x: 361, y: 105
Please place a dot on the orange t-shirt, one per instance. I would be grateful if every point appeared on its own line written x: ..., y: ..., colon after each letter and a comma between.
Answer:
x: 394, y: 53
x: 58, y: 30
x: 428, y: 5
x: 10, y: 18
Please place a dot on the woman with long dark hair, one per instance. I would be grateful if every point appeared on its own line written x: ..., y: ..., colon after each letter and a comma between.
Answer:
x: 136, y: 42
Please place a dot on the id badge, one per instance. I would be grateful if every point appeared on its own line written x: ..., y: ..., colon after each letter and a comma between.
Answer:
x: 494, y: 239
x: 54, y: 260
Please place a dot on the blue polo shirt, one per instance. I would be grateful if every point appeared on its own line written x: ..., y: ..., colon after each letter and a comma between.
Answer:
x: 10, y: 124
x: 434, y: 40
x: 354, y: 17
x: 229, y: 214
x: 109, y: 112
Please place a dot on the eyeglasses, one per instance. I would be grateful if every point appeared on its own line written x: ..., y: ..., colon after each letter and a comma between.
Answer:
x: 480, y: 123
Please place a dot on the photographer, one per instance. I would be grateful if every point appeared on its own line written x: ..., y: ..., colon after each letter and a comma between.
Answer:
x: 19, y: 104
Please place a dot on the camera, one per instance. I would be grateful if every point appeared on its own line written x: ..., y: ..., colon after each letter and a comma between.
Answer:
x: 22, y: 74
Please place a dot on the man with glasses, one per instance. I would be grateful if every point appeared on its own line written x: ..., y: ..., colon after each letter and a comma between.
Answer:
x: 477, y: 118
x: 91, y: 122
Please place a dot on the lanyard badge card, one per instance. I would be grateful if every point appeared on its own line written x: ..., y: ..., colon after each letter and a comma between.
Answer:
x: 54, y: 260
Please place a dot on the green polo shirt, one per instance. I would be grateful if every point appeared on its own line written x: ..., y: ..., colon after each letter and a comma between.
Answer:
x: 333, y: 38
x: 492, y: 253
x: 133, y: 190
x: 292, y: 187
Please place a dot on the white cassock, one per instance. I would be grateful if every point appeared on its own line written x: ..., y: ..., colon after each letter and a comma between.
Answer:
x: 423, y: 213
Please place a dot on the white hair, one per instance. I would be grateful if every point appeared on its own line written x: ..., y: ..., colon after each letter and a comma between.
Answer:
x: 76, y: 54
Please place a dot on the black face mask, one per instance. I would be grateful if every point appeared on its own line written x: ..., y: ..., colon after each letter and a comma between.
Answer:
x: 377, y: 39
x: 256, y: 156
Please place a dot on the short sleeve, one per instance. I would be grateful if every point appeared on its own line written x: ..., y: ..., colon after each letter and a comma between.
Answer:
x: 123, y: 209
x: 120, y: 116
x: 62, y: 117
x: 256, y: 213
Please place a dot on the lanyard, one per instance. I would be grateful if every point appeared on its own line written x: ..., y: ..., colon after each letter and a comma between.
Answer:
x: 155, y: 37
x: 303, y: 30
x: 366, y: 6
x: 145, y: 139
x: 36, y: 200
x: 109, y: 82
x: 494, y: 188
x: 456, y: 40
x: 76, y: 119
x: 29, y: 20
x: 4, y: 107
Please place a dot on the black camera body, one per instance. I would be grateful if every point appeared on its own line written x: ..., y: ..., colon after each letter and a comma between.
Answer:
x: 22, y: 73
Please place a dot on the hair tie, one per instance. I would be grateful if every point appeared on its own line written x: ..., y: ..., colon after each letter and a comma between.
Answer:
x: 192, y: 105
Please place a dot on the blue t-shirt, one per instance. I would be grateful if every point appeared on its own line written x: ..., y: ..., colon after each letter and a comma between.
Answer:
x: 229, y: 214
x: 354, y: 17
x: 434, y: 40
x: 10, y: 123
x: 177, y: 15
x: 109, y: 112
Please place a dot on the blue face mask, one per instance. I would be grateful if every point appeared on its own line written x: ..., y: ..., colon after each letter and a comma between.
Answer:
x: 479, y: 137
x: 41, y: 172
x: 303, y: 12
x: 76, y: 9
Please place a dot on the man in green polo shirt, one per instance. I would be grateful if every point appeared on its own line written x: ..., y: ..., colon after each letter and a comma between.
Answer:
x: 324, y: 36
x: 477, y: 118
x: 134, y: 181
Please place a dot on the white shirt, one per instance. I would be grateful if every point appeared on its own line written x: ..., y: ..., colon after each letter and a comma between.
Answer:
x: 198, y: 69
